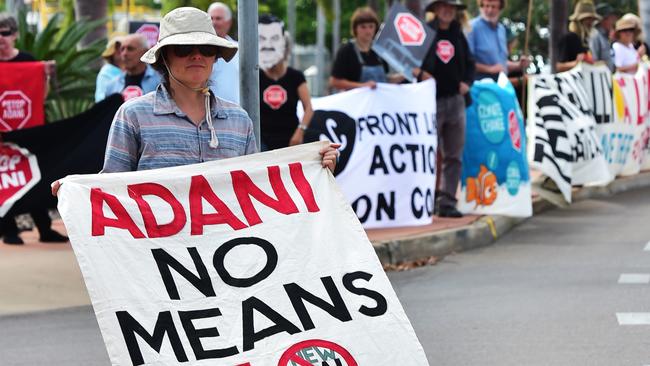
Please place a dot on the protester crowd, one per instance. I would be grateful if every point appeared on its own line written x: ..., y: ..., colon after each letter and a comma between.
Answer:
x: 188, y: 83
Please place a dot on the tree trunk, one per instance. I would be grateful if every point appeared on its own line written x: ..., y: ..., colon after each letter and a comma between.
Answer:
x: 559, y: 18
x: 91, y: 10
x: 374, y: 4
x: 291, y: 19
x: 336, y: 26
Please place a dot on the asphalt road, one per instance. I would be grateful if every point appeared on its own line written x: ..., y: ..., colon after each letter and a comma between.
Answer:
x: 558, y: 290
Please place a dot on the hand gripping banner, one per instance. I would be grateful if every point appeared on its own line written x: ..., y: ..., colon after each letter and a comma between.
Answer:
x: 257, y: 260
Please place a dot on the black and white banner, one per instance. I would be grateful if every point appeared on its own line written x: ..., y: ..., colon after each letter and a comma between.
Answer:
x: 387, y: 167
x: 564, y: 141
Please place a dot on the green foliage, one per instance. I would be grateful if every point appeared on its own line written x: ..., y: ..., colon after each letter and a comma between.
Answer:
x: 169, y: 5
x: 72, y: 90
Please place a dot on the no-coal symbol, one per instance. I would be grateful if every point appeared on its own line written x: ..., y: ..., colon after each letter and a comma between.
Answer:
x: 316, y: 352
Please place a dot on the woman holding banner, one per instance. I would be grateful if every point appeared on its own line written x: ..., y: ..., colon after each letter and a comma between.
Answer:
x: 626, y: 57
x: 182, y: 122
x: 356, y: 64
x: 574, y: 46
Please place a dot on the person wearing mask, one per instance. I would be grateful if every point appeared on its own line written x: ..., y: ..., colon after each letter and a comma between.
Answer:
x: 449, y: 61
x: 573, y: 47
x: 488, y: 42
x: 224, y: 81
x: 599, y: 42
x: 41, y: 217
x: 281, y: 87
x: 111, y: 69
x: 137, y: 78
x: 626, y: 57
x: 356, y: 64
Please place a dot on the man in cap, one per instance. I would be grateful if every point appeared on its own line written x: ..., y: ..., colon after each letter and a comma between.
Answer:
x: 449, y: 62
x: 599, y: 42
x: 137, y: 78
x: 488, y: 42
x: 224, y: 81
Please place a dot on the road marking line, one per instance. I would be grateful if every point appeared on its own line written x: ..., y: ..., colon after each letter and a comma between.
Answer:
x: 647, y: 247
x: 633, y: 318
x: 634, y: 278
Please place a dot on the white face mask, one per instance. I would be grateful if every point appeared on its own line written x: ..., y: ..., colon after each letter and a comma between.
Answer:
x: 272, y: 45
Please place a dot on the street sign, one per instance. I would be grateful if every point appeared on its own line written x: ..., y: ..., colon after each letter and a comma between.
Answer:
x: 149, y: 30
x: 409, y: 29
x: 403, y: 40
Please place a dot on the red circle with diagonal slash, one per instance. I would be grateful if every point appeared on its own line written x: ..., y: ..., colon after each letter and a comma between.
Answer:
x: 290, y: 354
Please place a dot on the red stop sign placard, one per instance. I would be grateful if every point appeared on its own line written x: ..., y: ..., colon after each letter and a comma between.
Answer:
x: 275, y: 96
x: 19, y: 172
x: 410, y: 29
x: 15, y: 109
x: 150, y: 31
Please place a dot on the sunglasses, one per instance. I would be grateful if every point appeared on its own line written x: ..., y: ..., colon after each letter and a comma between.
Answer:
x: 186, y: 50
x: 6, y: 33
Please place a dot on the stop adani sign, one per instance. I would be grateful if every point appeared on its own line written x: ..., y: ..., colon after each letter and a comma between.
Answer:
x: 22, y: 95
x: 19, y: 172
x: 409, y: 29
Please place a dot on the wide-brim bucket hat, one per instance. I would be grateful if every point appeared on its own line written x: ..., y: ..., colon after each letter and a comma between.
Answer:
x: 457, y: 3
x: 584, y: 10
x: 188, y: 26
x: 627, y: 23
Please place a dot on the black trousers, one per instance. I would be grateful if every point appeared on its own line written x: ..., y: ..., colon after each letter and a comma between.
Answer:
x: 41, y: 219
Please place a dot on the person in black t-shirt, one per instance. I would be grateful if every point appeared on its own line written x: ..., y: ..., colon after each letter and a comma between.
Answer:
x: 41, y: 217
x: 574, y: 46
x: 356, y: 64
x: 280, y: 89
x: 450, y: 63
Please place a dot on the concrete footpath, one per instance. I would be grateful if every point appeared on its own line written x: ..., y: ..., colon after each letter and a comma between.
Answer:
x: 37, y: 276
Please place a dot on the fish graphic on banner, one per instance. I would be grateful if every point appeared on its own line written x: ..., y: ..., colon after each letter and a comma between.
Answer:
x: 495, y: 177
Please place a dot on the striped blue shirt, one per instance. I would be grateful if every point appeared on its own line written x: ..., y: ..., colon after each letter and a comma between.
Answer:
x: 152, y: 132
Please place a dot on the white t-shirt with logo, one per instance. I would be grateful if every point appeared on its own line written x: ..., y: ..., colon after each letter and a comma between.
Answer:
x: 624, y: 55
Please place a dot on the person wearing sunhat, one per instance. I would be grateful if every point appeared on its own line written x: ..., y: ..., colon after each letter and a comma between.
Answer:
x: 182, y: 122
x: 640, y: 44
x: 111, y: 69
x: 626, y: 57
x: 449, y: 61
x: 599, y: 43
x: 574, y: 46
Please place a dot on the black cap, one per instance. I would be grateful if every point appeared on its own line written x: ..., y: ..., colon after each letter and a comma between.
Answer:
x: 457, y: 3
x: 604, y: 9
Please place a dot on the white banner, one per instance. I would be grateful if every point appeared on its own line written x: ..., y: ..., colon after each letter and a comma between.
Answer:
x: 257, y: 260
x: 565, y: 144
x: 387, y: 168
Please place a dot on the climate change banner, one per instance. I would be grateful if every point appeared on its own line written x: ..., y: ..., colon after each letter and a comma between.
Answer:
x: 388, y: 137
x: 257, y: 260
x: 495, y: 177
x: 565, y: 143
